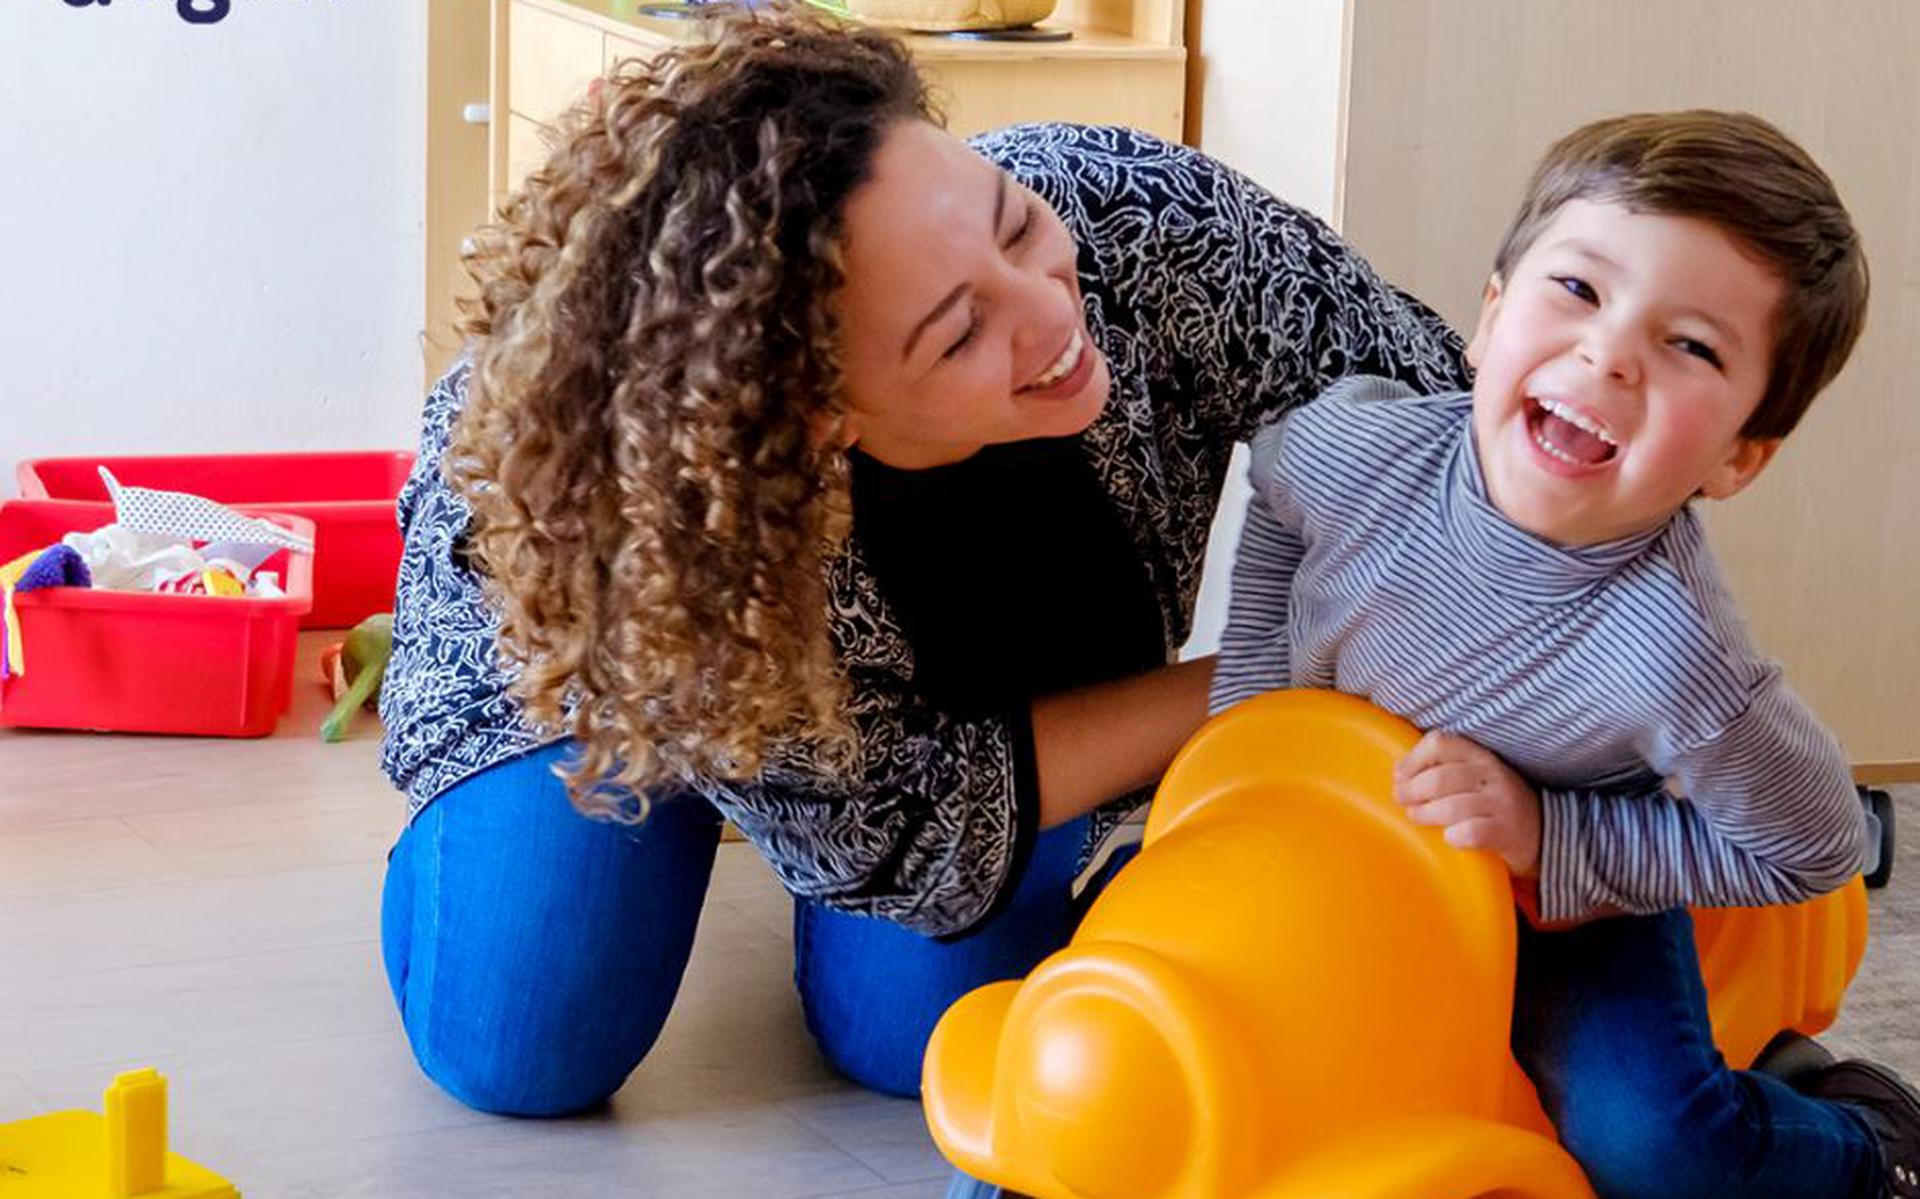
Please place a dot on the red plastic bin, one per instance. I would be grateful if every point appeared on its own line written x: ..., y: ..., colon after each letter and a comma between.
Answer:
x: 134, y: 662
x: 348, y: 496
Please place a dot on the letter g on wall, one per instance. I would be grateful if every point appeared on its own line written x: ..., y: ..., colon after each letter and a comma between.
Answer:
x: 194, y: 12
x: 204, y: 12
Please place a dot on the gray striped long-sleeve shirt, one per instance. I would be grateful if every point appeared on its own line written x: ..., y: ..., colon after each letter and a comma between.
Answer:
x: 1373, y: 563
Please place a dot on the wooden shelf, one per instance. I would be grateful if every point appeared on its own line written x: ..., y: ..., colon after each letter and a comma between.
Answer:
x: 621, y: 18
x: 1124, y: 66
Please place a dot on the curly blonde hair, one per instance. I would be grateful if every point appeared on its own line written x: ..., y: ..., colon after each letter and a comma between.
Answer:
x: 653, y: 359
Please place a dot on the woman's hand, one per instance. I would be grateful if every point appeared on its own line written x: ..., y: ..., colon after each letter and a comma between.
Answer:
x: 1456, y: 784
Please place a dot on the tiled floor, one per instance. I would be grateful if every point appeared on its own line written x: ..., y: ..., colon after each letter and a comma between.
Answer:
x: 210, y: 908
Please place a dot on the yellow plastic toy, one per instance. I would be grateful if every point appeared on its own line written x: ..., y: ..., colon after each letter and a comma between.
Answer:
x: 123, y: 1155
x: 1295, y: 992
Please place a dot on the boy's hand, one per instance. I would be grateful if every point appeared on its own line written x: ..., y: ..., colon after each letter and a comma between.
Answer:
x: 1453, y: 783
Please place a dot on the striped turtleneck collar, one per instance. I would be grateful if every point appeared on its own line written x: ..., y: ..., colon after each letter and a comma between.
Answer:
x: 1507, y: 557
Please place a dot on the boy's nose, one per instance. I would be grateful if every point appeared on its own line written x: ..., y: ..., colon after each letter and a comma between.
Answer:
x: 1610, y: 352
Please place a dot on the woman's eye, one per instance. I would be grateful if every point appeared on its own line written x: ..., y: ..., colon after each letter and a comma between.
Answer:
x: 1577, y: 287
x: 1026, y: 227
x: 1699, y: 349
x: 973, y: 327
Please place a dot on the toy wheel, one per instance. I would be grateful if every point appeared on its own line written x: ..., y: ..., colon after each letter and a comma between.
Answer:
x: 1880, y: 807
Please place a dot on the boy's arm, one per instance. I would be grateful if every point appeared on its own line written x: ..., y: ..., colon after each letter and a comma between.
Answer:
x: 1255, y: 652
x: 1770, y: 817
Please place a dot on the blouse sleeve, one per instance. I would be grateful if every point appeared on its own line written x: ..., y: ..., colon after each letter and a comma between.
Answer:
x: 929, y: 830
x: 1298, y: 309
x: 930, y: 826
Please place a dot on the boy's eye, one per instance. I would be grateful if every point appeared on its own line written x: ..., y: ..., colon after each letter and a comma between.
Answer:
x: 1577, y: 287
x: 973, y: 327
x: 1699, y: 349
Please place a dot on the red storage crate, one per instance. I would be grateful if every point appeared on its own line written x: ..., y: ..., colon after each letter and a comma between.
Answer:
x: 133, y: 662
x: 348, y: 497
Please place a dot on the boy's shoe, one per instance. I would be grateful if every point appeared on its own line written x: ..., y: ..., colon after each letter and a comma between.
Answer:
x: 1792, y: 1057
x: 1879, y: 867
x: 1891, y: 1106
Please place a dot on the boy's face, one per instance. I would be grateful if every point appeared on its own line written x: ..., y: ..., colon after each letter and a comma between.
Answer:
x: 1617, y: 363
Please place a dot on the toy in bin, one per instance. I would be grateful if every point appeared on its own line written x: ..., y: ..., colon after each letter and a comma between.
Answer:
x: 348, y: 495
x: 121, y: 1155
x: 164, y: 613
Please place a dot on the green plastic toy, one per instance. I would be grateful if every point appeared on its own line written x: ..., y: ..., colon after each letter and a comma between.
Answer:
x: 361, y: 664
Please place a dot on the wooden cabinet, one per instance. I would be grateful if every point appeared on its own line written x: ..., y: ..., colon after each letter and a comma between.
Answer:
x: 1124, y: 65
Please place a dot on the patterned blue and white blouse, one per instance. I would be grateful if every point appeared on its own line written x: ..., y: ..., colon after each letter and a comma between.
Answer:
x: 1216, y: 305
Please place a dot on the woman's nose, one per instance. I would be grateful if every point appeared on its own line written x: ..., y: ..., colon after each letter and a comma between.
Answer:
x: 1042, y: 308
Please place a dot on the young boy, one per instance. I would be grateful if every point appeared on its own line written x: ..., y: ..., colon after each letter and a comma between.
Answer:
x: 1518, y: 569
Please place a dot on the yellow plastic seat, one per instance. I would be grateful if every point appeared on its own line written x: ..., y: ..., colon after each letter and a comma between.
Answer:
x: 1295, y: 992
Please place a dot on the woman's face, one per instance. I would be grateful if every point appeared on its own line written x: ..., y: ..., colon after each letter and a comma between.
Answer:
x: 960, y: 319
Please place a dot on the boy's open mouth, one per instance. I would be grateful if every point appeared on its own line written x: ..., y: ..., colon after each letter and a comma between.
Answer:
x: 1567, y: 435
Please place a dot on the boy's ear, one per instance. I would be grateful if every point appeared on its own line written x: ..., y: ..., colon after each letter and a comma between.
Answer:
x: 1742, y: 466
x: 1483, y: 328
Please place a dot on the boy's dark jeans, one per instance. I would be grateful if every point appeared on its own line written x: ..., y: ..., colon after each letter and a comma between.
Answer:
x: 1610, y: 1022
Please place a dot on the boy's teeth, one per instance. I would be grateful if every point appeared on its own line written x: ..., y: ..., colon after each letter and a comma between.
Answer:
x: 1062, y: 364
x: 1555, y: 451
x: 1574, y: 418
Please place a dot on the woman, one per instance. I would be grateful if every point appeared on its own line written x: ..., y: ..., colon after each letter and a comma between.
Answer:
x: 814, y: 469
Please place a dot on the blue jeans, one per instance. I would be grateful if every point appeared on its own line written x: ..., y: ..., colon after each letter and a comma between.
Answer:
x: 1610, y: 1022
x: 528, y: 987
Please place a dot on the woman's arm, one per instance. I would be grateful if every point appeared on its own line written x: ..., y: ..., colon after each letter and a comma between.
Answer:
x: 1095, y: 744
x: 933, y: 826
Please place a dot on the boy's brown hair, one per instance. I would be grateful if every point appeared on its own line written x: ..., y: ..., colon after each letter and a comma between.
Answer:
x: 1752, y: 181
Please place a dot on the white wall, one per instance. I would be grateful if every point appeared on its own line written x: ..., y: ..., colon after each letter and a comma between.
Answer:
x: 1268, y: 91
x: 1266, y: 80
x: 212, y: 233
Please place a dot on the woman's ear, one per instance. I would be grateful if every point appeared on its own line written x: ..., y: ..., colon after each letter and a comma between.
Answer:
x: 1483, y: 328
x: 834, y: 430
x: 1742, y: 466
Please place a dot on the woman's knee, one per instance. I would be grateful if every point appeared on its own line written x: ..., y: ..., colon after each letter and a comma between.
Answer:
x: 534, y: 954
x: 873, y: 991
x: 527, y: 1079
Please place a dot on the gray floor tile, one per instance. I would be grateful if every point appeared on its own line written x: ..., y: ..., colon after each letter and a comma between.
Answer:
x: 73, y: 857
x: 187, y: 920
x: 18, y: 1100
x: 930, y: 1189
x: 274, y: 835
x: 147, y: 1012
x: 889, y: 1135
x: 726, y: 1153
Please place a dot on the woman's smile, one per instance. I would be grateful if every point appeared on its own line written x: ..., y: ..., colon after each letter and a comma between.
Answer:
x: 1068, y: 373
